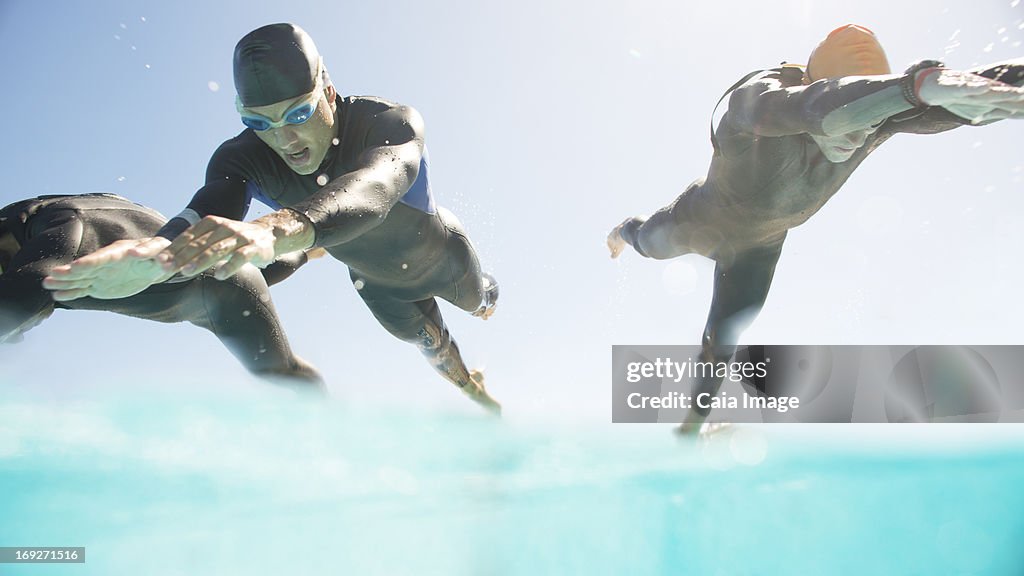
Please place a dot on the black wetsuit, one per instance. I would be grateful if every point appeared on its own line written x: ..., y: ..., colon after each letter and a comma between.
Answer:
x: 371, y: 208
x: 768, y: 175
x: 55, y: 230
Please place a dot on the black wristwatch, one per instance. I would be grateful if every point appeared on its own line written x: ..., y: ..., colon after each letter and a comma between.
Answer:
x: 910, y: 77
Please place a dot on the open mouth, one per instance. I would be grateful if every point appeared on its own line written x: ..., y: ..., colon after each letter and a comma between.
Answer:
x: 298, y: 158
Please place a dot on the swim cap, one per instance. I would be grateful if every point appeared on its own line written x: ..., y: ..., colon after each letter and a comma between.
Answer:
x: 274, y: 63
x: 849, y: 50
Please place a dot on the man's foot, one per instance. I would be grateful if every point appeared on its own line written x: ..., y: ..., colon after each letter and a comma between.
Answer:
x: 490, y: 302
x: 703, y: 430
x: 479, y: 394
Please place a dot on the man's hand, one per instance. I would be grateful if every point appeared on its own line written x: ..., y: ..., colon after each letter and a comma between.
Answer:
x: 118, y: 270
x: 970, y: 96
x: 615, y: 242
x: 214, y: 240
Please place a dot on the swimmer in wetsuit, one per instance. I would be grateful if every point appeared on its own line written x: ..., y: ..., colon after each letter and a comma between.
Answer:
x: 789, y: 140
x: 39, y: 234
x: 346, y: 174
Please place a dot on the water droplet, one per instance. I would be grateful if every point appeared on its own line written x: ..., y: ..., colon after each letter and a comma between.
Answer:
x: 322, y: 179
x: 359, y: 284
x: 634, y: 53
x: 117, y: 36
x: 147, y: 66
x: 120, y: 178
x: 387, y: 141
x: 143, y: 18
x: 213, y: 86
x: 405, y: 266
x: 335, y: 142
x: 246, y: 313
x: 123, y: 27
x: 133, y: 47
x: 988, y: 48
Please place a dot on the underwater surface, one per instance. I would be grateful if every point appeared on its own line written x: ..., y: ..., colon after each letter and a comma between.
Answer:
x: 214, y: 485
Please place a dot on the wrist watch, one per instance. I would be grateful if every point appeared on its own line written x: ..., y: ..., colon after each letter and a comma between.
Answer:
x: 909, y: 80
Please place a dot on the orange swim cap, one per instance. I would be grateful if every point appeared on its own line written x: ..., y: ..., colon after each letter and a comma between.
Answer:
x: 849, y: 50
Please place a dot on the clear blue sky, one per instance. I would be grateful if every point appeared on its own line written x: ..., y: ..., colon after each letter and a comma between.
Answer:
x: 548, y: 123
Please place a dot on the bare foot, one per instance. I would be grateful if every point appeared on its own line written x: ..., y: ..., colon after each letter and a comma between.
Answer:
x: 479, y: 393
x: 704, y: 430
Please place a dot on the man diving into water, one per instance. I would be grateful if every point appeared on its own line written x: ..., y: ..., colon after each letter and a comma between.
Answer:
x: 39, y: 234
x: 346, y: 174
x: 789, y: 140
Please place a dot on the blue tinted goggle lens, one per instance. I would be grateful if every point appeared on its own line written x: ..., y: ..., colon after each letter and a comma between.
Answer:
x: 257, y: 124
x: 298, y: 115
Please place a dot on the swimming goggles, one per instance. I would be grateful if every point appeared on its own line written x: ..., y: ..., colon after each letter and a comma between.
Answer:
x: 297, y: 114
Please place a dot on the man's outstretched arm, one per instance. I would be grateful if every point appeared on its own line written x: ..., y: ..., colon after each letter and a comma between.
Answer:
x: 340, y: 211
x: 954, y: 98
x: 127, y: 267
x: 766, y: 106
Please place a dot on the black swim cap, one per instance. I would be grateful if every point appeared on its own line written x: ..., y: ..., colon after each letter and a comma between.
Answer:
x: 274, y: 63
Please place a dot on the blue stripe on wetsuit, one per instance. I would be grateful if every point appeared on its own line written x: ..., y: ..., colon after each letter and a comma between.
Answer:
x: 419, y: 195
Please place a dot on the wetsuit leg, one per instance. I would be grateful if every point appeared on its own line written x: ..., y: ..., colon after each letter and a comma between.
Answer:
x: 238, y: 311
x: 739, y: 293
x: 464, y: 283
x: 420, y: 323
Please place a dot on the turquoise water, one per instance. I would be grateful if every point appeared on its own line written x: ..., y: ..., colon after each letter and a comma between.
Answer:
x: 162, y: 487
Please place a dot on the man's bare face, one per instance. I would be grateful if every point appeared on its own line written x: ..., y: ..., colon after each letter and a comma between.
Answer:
x: 303, y: 147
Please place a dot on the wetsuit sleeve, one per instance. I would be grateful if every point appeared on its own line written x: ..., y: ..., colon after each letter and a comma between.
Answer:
x: 224, y: 194
x: 358, y: 201
x: 23, y: 300
x: 766, y: 106
x: 280, y: 269
x: 936, y: 119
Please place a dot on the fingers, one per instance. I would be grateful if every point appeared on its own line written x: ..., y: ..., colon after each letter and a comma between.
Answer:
x: 210, y: 257
x: 88, y: 266
x: 199, y: 248
x: 149, y: 248
x: 57, y: 283
x: 68, y: 295
x: 232, y: 266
